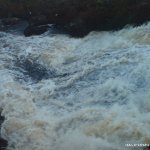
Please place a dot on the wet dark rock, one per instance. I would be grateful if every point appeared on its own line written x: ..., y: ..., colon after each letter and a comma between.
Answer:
x: 147, y: 148
x: 3, y: 142
x: 13, y: 25
x: 35, y: 30
x: 74, y: 30
x: 33, y: 69
x: 1, y: 119
x: 78, y: 17
x: 1, y: 25
x: 37, y: 20
x: 37, y: 25
x: 10, y: 21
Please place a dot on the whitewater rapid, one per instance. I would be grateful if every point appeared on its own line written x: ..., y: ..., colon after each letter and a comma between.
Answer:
x: 96, y: 95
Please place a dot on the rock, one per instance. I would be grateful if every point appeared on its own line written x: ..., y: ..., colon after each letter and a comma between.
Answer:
x: 1, y: 119
x: 1, y: 25
x: 35, y: 30
x: 146, y: 148
x: 3, y: 142
x: 37, y: 20
x: 37, y: 25
x: 10, y: 21
x: 32, y: 69
x: 78, y: 17
x: 75, y: 29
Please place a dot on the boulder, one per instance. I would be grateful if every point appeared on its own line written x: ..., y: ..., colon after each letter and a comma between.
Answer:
x: 10, y: 21
x: 35, y: 30
x: 78, y: 17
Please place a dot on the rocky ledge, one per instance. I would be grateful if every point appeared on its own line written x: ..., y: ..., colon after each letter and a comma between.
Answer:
x: 77, y: 17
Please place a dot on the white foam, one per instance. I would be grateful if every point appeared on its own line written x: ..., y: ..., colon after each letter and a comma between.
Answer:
x: 101, y: 104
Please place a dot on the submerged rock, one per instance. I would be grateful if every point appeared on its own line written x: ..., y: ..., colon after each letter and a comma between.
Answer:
x: 33, y: 69
x: 78, y: 17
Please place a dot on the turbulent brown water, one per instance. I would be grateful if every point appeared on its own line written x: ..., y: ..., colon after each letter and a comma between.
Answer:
x: 61, y: 93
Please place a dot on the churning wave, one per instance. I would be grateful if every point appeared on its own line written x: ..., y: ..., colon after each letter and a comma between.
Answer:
x: 61, y: 93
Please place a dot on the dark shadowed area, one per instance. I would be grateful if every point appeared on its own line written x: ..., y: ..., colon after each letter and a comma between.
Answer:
x: 76, y: 17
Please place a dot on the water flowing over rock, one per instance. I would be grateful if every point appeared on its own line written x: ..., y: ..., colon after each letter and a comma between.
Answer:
x: 78, y: 17
x: 62, y: 93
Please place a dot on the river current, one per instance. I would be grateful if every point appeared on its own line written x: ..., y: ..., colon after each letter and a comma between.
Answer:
x: 62, y: 93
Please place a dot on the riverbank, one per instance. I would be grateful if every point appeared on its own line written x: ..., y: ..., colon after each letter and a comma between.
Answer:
x: 77, y: 18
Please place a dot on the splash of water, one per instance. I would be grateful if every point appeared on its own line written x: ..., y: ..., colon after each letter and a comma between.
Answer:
x: 98, y: 98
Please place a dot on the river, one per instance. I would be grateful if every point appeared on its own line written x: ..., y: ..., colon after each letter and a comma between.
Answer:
x: 63, y: 93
